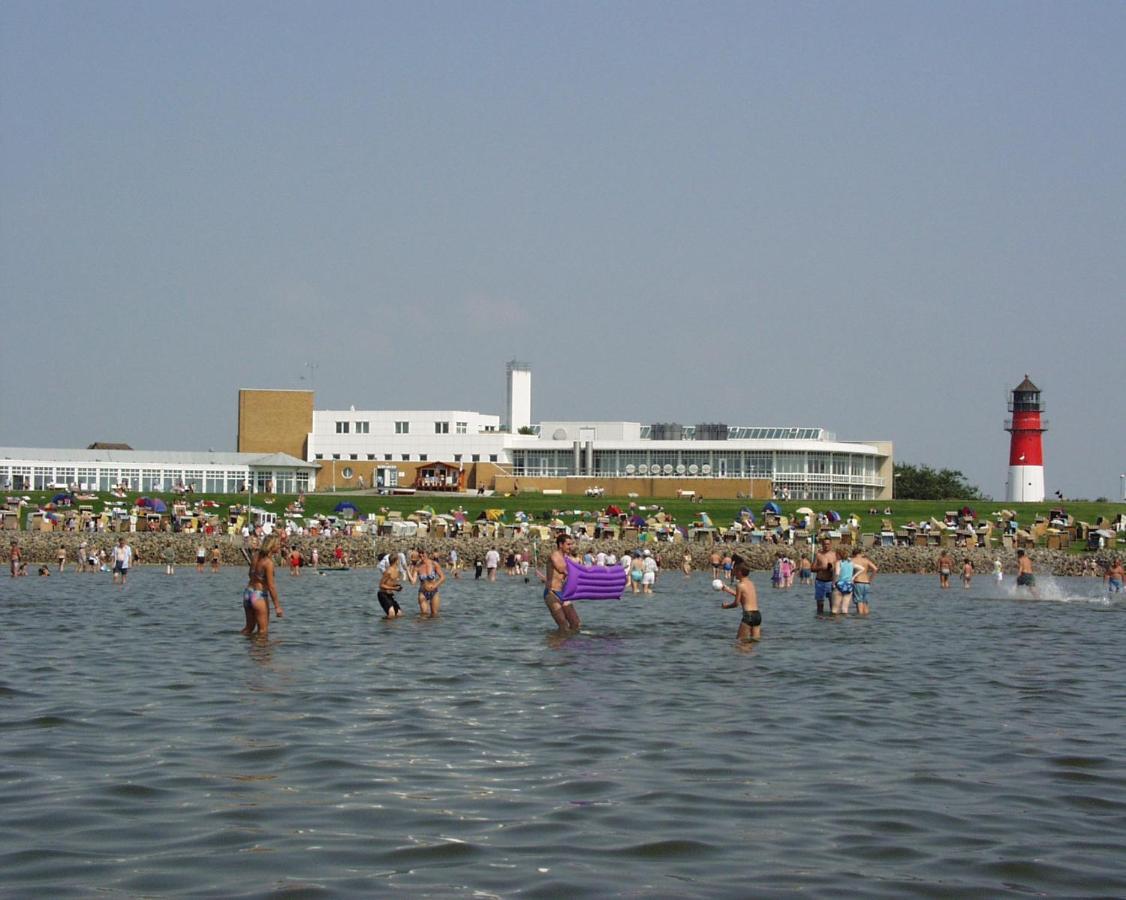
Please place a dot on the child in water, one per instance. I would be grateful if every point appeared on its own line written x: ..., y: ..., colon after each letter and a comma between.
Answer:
x: 744, y: 597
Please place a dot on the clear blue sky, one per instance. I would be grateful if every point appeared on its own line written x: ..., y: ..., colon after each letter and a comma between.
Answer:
x: 872, y: 217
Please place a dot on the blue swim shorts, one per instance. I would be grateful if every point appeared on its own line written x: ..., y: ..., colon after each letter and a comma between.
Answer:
x: 822, y: 589
x: 860, y: 592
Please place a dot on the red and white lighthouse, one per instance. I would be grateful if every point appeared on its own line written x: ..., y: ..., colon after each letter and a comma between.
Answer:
x: 1026, y: 451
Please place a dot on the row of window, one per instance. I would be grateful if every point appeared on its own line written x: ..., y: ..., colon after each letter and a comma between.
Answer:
x: 99, y: 478
x: 401, y: 427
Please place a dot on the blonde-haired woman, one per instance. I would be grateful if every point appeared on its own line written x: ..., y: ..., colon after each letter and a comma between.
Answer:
x: 261, y: 588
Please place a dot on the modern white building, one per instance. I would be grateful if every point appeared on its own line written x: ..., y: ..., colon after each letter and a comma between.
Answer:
x: 30, y: 468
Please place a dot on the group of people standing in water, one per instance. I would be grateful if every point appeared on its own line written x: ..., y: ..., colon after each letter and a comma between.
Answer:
x: 838, y: 581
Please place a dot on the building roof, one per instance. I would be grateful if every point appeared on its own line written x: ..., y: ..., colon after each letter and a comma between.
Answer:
x: 154, y: 457
x: 1027, y: 386
x: 107, y: 445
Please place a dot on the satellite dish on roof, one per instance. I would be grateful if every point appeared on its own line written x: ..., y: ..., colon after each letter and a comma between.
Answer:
x: 630, y: 469
x: 667, y: 469
x: 643, y: 469
x: 706, y: 469
x: 680, y: 469
x: 559, y: 434
x: 693, y: 469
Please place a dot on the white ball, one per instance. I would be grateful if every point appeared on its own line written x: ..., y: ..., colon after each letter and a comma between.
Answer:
x: 717, y: 584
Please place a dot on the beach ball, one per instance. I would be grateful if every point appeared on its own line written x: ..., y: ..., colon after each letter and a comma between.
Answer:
x: 717, y: 584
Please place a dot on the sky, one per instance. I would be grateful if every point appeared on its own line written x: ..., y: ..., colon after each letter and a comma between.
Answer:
x: 872, y: 217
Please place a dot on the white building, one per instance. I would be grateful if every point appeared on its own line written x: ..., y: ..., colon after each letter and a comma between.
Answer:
x: 30, y: 468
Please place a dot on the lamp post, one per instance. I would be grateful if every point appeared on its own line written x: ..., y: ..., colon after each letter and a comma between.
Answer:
x: 1122, y: 485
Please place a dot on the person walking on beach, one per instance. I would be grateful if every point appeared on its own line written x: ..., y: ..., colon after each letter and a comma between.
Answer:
x: 261, y: 590
x: 716, y: 562
x: 429, y: 577
x: 81, y: 559
x: 200, y: 556
x: 998, y: 570
x: 744, y: 596
x: 1113, y: 577
x: 122, y: 560
x: 169, y: 560
x: 62, y: 557
x: 945, y: 567
x: 863, y: 570
x: 14, y: 559
x: 216, y: 558
x: 1025, y: 576
x: 967, y: 573
x: 824, y: 569
x: 563, y: 612
x: 390, y: 582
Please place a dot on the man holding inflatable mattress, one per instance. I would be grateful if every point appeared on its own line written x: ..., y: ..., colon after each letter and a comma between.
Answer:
x: 562, y: 611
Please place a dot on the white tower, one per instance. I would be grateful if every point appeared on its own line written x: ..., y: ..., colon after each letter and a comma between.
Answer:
x: 518, y: 405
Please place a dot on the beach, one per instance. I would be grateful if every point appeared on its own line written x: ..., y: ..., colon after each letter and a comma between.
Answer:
x: 364, y: 551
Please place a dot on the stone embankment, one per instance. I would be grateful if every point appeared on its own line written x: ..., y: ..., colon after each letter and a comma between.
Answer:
x: 43, y: 547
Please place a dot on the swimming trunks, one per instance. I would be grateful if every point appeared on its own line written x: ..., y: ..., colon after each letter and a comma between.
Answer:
x: 805, y: 573
x: 822, y: 589
x: 752, y: 618
x: 1114, y: 585
x: 635, y: 574
x: 1025, y: 579
x: 388, y: 602
x: 860, y: 592
x: 547, y: 592
x: 250, y: 595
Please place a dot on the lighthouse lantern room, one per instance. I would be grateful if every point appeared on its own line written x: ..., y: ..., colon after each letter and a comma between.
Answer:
x: 1026, y: 452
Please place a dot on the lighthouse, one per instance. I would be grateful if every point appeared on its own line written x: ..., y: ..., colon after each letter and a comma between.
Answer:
x: 1026, y: 452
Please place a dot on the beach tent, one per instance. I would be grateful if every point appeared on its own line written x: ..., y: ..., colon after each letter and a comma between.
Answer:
x: 344, y: 506
x: 834, y: 516
x: 804, y: 511
x: 771, y: 507
x: 637, y: 521
x: 62, y: 498
x: 494, y: 515
x: 613, y: 510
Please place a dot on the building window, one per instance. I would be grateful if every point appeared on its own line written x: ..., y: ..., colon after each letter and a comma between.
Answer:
x: 406, y: 457
x: 371, y: 456
x: 476, y: 457
x: 492, y: 457
x: 457, y: 457
x: 363, y: 427
x: 441, y: 427
x: 353, y: 456
x: 341, y: 427
x: 336, y: 456
x: 422, y: 457
x: 318, y: 456
x: 387, y: 457
x: 462, y: 427
x: 402, y: 428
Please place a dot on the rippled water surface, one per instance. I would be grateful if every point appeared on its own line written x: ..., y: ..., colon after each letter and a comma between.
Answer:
x: 954, y: 743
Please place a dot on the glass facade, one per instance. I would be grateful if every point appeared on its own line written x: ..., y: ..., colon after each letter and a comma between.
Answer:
x: 800, y: 474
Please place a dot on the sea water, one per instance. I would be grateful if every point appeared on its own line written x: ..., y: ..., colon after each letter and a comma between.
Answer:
x: 953, y: 743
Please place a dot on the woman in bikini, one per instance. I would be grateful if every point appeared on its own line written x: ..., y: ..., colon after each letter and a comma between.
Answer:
x: 426, y: 572
x: 260, y: 588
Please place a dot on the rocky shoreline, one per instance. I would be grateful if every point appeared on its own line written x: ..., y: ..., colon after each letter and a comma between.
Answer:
x: 40, y: 548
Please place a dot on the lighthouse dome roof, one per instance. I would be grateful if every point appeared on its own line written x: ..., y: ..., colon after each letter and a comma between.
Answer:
x: 1027, y: 386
